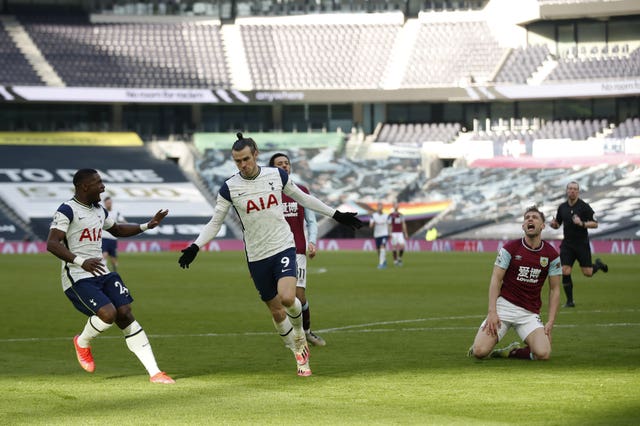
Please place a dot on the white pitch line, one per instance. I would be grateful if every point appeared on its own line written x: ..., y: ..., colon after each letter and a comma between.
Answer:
x: 356, y: 328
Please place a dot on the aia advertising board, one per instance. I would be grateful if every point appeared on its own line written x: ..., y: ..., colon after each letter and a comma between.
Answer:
x: 139, y: 245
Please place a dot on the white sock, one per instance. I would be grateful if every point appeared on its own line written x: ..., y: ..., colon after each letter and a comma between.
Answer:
x: 285, y: 330
x: 383, y: 255
x: 294, y: 312
x: 92, y: 329
x: 138, y: 343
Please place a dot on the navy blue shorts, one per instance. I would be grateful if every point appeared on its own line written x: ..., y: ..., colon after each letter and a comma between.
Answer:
x: 90, y: 294
x: 266, y: 272
x: 381, y: 241
x: 110, y: 246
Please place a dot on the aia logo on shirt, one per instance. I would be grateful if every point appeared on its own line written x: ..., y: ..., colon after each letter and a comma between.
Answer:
x: 92, y: 234
x: 261, y: 203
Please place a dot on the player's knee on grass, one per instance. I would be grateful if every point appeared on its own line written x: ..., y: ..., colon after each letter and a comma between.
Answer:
x: 480, y: 352
x: 539, y: 345
x: 482, y: 348
x: 541, y: 354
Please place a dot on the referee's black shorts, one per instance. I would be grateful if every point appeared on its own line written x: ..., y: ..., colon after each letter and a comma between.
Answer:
x: 570, y: 252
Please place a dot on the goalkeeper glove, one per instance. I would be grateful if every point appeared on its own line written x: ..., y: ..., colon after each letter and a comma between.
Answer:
x: 348, y: 219
x: 188, y: 255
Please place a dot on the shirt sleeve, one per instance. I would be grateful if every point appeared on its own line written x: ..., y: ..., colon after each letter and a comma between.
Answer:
x: 109, y: 221
x: 503, y: 259
x: 308, y: 201
x: 62, y: 218
x: 555, y: 268
x: 212, y: 228
x: 312, y: 225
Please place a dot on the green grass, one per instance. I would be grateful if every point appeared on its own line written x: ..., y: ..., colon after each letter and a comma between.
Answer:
x: 395, y: 355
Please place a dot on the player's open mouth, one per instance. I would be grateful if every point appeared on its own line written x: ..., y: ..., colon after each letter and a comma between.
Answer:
x: 531, y: 226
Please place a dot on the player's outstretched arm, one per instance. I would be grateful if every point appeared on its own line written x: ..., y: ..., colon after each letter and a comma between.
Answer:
x: 131, y: 229
x: 348, y: 219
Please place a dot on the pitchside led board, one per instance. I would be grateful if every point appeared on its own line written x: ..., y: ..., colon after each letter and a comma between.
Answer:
x: 36, y: 175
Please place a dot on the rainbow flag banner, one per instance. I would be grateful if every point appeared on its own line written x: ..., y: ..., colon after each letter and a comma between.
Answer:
x: 411, y: 211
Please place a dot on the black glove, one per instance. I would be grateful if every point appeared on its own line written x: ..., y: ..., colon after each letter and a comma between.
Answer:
x: 188, y: 255
x: 348, y: 219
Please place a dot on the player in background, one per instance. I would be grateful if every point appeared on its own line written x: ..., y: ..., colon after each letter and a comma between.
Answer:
x: 109, y: 242
x: 399, y: 234
x: 379, y: 223
x: 297, y: 216
x: 75, y: 237
x: 255, y: 193
x: 577, y: 217
x: 519, y: 273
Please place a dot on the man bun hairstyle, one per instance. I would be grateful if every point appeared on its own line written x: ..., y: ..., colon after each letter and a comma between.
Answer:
x: 272, y: 160
x: 243, y: 142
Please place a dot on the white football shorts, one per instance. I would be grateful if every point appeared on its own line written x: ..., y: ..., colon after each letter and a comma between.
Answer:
x: 397, y: 239
x: 301, y: 260
x: 523, y: 321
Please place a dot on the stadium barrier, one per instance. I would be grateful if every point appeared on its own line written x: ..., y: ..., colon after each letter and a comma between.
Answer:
x: 138, y: 245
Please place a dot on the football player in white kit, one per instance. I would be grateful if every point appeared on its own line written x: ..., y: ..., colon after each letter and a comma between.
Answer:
x: 380, y: 234
x: 255, y: 193
x: 75, y: 237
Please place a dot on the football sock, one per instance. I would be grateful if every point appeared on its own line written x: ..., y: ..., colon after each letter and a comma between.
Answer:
x: 138, y: 343
x: 306, y: 316
x: 294, y: 312
x: 383, y: 255
x: 401, y: 253
x: 521, y: 353
x: 395, y: 255
x: 285, y: 330
x: 596, y: 267
x: 92, y: 329
x: 567, y: 283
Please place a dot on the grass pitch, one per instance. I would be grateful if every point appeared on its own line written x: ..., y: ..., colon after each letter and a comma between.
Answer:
x: 396, y: 348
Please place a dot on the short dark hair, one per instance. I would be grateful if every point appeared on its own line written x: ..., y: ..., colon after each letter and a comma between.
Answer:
x: 82, y: 174
x: 573, y: 182
x: 243, y: 142
x: 536, y: 210
x: 272, y: 160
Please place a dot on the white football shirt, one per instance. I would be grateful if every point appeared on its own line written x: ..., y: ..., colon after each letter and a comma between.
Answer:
x: 258, y: 203
x: 83, y: 227
x: 380, y: 226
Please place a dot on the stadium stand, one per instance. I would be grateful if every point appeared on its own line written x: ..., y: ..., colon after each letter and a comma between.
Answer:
x: 328, y: 175
x: 14, y: 67
x: 451, y: 52
x: 521, y: 63
x: 172, y: 55
x: 418, y: 132
x: 627, y: 129
x: 554, y: 129
x: 322, y: 56
x: 597, y: 68
x: 485, y: 197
